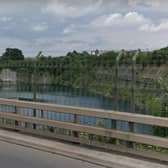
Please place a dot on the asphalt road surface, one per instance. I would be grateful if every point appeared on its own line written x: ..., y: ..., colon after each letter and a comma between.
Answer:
x: 21, y: 157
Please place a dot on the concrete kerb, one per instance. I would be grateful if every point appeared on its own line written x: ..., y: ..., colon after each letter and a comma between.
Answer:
x: 79, y: 155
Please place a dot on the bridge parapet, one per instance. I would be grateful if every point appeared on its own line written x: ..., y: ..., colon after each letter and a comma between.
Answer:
x: 100, y: 136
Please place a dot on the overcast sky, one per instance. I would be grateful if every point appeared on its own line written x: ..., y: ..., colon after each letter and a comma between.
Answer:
x: 59, y: 26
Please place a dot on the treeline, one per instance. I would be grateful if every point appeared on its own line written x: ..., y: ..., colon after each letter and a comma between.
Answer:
x: 157, y: 57
x: 108, y: 58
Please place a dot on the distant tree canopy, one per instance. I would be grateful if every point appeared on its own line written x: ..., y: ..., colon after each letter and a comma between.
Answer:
x: 157, y: 57
x: 12, y: 54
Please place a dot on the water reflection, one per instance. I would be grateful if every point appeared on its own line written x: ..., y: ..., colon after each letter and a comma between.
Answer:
x: 68, y: 96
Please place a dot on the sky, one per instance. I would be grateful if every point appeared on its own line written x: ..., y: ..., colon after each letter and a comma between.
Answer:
x: 59, y: 26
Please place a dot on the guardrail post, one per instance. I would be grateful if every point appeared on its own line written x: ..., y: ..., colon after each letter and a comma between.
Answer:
x: 42, y: 113
x: 42, y: 116
x: 77, y: 121
x: 16, y: 112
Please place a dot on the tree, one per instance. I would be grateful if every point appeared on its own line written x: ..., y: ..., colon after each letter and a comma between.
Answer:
x: 40, y: 56
x: 85, y: 53
x: 13, y: 54
x: 97, y: 52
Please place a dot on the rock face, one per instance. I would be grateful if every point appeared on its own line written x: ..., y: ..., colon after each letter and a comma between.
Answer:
x: 8, y: 76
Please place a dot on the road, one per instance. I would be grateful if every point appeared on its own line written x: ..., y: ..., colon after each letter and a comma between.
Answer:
x: 21, y: 157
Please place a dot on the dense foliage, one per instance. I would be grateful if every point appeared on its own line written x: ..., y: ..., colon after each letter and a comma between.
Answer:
x: 96, y: 74
x: 12, y: 54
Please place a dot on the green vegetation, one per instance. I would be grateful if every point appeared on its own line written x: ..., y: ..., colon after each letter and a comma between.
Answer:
x: 12, y: 54
x: 96, y: 74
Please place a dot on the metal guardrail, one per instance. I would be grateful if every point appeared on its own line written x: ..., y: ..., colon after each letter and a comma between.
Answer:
x: 77, y: 128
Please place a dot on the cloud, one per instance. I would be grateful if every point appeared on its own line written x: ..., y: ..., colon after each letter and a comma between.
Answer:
x: 118, y: 19
x: 13, y: 43
x: 71, y: 10
x: 149, y: 3
x: 40, y: 27
x: 117, y: 31
x: 69, y: 29
x: 5, y: 19
x: 57, y: 26
x: 162, y: 26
